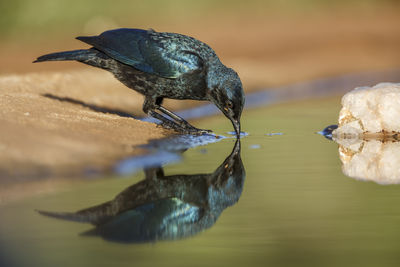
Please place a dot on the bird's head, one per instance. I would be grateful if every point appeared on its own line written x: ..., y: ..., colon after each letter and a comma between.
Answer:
x: 226, y: 92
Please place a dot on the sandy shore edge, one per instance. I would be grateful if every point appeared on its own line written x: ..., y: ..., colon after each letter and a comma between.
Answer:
x: 68, y: 122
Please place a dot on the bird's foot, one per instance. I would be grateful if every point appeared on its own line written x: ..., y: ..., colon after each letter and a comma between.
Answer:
x: 179, y: 124
x: 193, y: 130
x: 196, y: 131
x: 184, y: 129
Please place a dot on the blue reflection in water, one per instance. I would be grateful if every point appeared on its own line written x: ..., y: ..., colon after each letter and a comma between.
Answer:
x: 164, y: 151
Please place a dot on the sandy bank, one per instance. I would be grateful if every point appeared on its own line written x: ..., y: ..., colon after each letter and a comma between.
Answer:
x: 68, y: 122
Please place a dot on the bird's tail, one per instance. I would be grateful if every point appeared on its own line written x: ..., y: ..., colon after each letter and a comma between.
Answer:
x: 78, y: 55
x: 94, y: 215
x: 69, y: 216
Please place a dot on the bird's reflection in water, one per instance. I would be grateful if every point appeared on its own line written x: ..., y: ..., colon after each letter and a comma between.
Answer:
x: 165, y: 207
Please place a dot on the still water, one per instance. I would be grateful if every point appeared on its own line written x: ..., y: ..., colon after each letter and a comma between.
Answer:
x: 279, y: 200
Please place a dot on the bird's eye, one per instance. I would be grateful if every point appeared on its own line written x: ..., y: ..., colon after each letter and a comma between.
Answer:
x: 229, y: 104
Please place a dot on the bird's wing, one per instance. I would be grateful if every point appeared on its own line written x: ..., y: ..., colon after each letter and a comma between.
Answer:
x: 139, y: 49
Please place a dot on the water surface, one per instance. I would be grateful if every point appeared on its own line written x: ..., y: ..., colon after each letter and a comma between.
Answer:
x: 294, y: 206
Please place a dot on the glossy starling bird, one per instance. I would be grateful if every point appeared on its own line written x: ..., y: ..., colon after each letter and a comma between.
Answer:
x: 163, y: 65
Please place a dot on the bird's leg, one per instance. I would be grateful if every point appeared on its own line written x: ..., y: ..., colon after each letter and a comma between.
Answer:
x: 153, y: 173
x: 166, y: 123
x: 169, y: 124
x: 157, y: 105
x: 180, y: 120
x: 149, y: 106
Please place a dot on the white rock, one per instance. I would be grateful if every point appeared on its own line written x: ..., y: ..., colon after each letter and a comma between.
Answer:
x: 371, y: 160
x: 370, y: 110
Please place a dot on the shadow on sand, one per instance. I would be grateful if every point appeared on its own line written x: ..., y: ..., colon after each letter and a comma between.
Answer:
x: 90, y: 106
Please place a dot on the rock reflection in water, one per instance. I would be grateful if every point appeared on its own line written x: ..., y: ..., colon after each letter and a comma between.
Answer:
x: 375, y: 160
x: 165, y: 207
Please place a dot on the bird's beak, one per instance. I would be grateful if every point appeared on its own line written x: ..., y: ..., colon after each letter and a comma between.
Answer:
x: 236, y: 125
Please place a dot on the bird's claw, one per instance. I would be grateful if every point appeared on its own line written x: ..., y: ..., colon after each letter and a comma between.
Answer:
x: 187, y: 129
x: 202, y: 131
x: 195, y: 131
